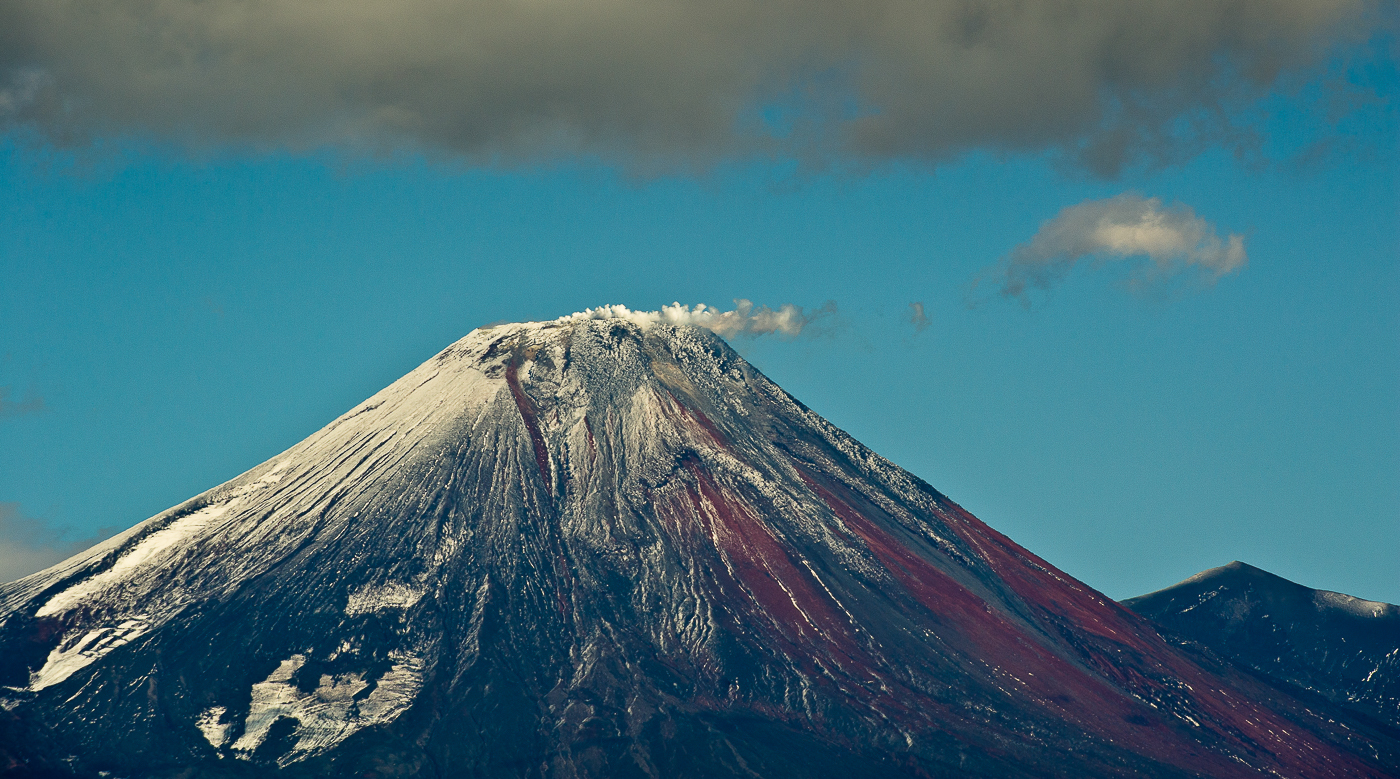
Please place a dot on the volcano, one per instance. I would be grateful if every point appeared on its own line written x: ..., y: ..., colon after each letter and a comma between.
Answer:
x: 604, y: 548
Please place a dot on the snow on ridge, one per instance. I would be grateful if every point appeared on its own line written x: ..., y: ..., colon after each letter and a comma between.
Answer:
x: 147, y: 553
x: 744, y: 319
x: 1354, y: 606
x: 70, y: 656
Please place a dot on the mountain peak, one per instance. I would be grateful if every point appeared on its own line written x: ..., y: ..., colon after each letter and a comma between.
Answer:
x: 1325, y: 643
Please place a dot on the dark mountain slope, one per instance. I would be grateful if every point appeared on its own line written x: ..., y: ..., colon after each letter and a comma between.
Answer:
x: 1344, y: 649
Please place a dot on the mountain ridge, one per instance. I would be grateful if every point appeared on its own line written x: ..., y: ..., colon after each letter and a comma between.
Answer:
x: 1342, y: 648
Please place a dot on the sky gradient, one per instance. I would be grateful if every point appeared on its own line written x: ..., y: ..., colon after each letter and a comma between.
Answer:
x: 181, y: 301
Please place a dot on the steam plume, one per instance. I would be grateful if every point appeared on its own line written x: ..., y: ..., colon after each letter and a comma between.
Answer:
x: 745, y: 319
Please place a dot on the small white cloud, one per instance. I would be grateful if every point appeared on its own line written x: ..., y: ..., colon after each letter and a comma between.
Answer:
x: 1123, y: 227
x: 745, y: 319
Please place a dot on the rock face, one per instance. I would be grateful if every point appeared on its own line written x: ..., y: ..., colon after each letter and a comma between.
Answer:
x: 594, y: 549
x: 1341, y: 648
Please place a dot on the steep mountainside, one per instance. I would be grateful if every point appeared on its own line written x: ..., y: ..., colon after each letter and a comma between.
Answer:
x: 1345, y: 649
x: 592, y: 548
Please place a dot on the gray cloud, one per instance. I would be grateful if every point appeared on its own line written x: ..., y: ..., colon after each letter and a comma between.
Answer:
x: 662, y: 84
x: 31, y: 404
x: 917, y: 316
x: 28, y: 544
x: 1172, y: 238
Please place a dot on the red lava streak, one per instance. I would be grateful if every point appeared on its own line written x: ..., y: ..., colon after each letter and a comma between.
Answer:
x: 799, y: 608
x: 527, y: 413
x: 685, y: 417
x: 1058, y: 597
x: 1087, y: 697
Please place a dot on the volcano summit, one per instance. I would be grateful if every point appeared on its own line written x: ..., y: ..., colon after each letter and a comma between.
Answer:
x: 604, y: 548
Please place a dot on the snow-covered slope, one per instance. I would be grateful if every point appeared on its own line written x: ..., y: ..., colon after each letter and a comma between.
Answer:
x: 598, y: 547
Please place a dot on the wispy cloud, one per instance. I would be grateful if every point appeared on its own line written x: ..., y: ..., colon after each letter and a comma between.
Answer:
x: 917, y: 317
x: 664, y: 84
x: 29, y: 544
x: 31, y: 404
x: 1125, y: 227
x: 744, y: 319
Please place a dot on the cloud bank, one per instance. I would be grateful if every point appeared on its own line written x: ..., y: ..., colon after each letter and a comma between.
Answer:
x: 28, y: 544
x: 1125, y: 226
x: 661, y: 84
x: 745, y: 319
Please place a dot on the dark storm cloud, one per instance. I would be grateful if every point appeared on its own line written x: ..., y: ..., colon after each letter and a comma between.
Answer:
x: 660, y: 83
x: 28, y: 544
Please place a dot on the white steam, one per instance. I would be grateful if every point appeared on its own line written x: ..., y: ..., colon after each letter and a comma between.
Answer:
x: 1122, y: 227
x: 745, y: 319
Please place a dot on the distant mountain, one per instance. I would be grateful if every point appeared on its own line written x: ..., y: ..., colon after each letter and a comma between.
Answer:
x: 1344, y: 649
x: 602, y: 549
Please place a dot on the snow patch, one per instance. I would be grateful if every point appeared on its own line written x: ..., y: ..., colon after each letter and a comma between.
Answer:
x: 215, y: 732
x: 71, y: 656
x: 371, y: 598
x: 273, y: 698
x: 1354, y: 606
x: 151, y: 550
x: 275, y: 475
x: 330, y: 713
x: 395, y: 690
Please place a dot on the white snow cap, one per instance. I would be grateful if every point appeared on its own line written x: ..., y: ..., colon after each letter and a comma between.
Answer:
x: 745, y: 319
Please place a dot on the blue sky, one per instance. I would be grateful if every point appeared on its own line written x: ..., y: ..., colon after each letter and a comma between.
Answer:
x: 175, y: 311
